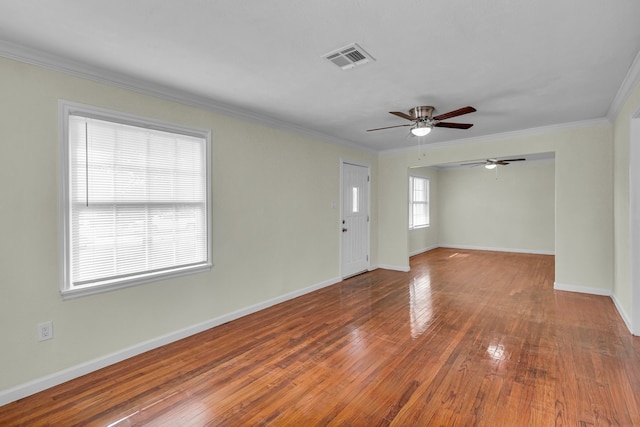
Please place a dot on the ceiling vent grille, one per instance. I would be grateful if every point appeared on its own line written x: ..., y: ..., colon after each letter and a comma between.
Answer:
x: 349, y: 56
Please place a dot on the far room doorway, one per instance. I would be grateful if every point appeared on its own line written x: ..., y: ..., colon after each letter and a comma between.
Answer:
x: 498, y: 207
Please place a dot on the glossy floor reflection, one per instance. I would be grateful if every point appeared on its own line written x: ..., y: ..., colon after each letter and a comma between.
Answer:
x: 466, y: 338
x: 420, y: 309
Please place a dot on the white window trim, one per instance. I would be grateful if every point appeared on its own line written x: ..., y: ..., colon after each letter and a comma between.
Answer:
x: 66, y: 108
x: 411, y: 203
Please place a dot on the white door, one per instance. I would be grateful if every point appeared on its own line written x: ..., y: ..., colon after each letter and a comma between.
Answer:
x: 355, y: 219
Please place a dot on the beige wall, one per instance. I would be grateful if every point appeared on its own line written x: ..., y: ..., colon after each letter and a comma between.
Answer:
x: 508, y: 208
x: 274, y: 229
x: 584, y: 201
x: 422, y: 239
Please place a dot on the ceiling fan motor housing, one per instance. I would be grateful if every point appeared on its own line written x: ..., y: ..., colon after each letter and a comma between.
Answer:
x: 425, y: 112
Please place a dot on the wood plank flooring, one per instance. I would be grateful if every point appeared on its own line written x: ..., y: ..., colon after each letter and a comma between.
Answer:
x: 467, y: 338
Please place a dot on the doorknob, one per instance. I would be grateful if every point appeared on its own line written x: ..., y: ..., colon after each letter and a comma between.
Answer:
x: 344, y: 229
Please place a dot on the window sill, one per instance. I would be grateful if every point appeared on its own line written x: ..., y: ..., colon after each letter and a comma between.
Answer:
x: 418, y: 227
x: 78, y: 292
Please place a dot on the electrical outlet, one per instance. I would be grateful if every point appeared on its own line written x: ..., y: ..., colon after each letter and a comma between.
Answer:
x: 45, y: 331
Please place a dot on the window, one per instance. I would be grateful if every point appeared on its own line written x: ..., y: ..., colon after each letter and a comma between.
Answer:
x: 418, y: 202
x: 355, y: 200
x: 135, y: 200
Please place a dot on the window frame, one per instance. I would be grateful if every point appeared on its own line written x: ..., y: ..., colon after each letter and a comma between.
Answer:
x: 412, y: 202
x: 66, y: 109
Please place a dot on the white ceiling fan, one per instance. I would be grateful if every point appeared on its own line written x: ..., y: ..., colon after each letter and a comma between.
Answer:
x: 492, y: 163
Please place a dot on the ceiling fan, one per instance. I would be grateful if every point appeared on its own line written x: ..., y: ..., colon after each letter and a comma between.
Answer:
x: 492, y: 163
x: 424, y: 120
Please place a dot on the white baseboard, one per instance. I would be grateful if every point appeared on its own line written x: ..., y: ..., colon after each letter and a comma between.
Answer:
x: 623, y: 314
x: 35, y: 386
x: 484, y: 248
x: 423, y: 250
x: 582, y: 289
x: 404, y: 269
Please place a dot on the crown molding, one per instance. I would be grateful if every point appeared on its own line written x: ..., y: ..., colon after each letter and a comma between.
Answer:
x: 75, y: 68
x: 501, y: 136
x: 631, y: 80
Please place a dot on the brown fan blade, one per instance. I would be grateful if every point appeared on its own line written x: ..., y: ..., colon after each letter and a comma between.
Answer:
x: 401, y: 114
x: 458, y: 112
x: 513, y: 160
x: 388, y: 127
x: 453, y: 125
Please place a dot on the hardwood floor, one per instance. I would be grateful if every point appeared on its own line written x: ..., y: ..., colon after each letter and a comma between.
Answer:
x: 466, y: 338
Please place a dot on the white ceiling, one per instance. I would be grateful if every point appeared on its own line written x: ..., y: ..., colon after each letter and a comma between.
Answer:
x: 521, y: 64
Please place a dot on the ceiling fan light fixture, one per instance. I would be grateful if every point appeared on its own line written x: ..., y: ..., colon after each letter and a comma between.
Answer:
x: 421, y: 129
x: 490, y: 166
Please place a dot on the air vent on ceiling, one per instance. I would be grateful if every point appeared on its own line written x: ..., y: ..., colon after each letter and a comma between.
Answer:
x: 349, y: 56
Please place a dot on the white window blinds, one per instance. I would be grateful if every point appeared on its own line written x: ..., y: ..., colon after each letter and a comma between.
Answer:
x: 138, y: 202
x: 418, y: 202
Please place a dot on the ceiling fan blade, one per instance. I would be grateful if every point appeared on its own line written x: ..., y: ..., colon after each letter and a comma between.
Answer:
x: 458, y: 112
x: 453, y: 125
x: 401, y: 114
x: 473, y: 163
x: 388, y: 127
x: 513, y: 160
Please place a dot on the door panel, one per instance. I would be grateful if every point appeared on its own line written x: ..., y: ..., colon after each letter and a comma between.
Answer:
x: 355, y: 219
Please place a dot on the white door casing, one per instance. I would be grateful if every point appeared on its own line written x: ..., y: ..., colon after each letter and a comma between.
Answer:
x: 634, y: 219
x: 354, y: 227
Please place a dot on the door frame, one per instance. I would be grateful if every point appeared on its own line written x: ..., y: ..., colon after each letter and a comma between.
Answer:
x: 634, y: 219
x: 344, y: 161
